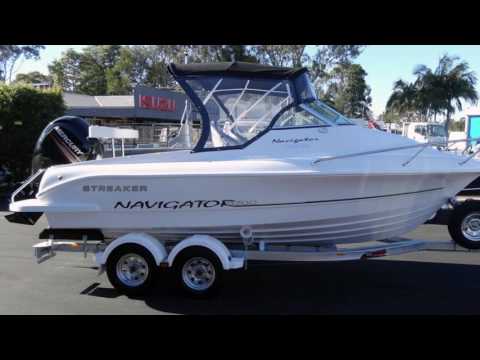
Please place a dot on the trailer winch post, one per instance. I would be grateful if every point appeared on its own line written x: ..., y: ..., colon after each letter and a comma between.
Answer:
x: 247, y: 238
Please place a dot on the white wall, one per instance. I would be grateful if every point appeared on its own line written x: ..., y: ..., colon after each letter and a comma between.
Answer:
x: 457, y: 135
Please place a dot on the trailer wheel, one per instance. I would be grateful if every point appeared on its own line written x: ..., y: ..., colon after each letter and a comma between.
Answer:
x: 131, y: 269
x: 198, y: 271
x: 464, y: 225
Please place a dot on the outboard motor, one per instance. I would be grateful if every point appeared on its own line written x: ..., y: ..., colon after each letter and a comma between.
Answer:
x: 65, y: 140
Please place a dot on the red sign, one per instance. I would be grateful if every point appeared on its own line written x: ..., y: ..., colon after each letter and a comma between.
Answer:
x: 157, y: 103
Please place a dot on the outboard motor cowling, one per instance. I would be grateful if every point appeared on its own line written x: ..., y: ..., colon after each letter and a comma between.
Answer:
x: 65, y: 140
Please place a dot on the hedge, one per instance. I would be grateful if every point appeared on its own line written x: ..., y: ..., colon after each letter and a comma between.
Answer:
x: 24, y: 113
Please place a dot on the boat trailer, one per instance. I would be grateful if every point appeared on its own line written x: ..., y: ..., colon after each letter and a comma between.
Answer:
x: 198, y: 260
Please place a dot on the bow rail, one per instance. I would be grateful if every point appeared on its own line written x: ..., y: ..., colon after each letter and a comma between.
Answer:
x: 26, y: 183
x: 421, y: 148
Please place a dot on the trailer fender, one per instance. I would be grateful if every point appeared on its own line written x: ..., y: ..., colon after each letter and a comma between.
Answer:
x: 209, y: 242
x: 149, y: 242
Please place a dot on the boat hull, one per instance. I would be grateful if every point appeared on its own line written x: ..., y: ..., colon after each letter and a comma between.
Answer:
x: 278, y: 208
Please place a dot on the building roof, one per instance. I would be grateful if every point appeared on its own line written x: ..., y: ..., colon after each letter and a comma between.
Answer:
x: 127, y: 106
x: 115, y: 101
x: 73, y: 100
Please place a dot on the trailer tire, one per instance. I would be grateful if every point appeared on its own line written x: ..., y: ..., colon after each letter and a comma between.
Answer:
x: 131, y: 269
x: 198, y: 272
x: 464, y: 225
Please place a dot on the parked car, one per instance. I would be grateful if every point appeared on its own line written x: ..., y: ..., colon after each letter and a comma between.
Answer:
x: 5, y: 178
x: 5, y: 186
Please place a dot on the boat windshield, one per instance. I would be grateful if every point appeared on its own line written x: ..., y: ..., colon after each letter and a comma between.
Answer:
x: 239, y: 108
x: 327, y: 113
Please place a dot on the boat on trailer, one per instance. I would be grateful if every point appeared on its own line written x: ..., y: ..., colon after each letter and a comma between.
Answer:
x: 273, y: 166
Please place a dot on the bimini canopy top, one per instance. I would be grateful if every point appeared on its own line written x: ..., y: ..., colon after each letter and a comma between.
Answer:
x: 235, y: 68
x: 239, y: 102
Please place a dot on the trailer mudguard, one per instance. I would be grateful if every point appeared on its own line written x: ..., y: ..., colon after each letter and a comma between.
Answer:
x: 152, y: 244
x: 209, y: 242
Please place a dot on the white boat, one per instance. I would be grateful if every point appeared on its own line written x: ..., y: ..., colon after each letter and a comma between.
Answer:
x: 271, y: 157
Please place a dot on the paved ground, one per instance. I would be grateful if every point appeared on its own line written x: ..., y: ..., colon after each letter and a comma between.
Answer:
x: 427, y: 282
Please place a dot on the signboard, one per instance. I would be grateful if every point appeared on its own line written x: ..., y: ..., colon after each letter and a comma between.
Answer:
x: 474, y: 127
x: 158, y: 103
x: 154, y: 102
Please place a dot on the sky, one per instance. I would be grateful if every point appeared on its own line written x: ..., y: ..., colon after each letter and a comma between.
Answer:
x: 384, y: 64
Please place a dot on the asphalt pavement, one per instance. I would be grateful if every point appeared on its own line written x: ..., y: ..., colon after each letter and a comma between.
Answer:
x: 442, y: 281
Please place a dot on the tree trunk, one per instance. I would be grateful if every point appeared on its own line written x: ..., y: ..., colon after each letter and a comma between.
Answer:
x: 447, y: 122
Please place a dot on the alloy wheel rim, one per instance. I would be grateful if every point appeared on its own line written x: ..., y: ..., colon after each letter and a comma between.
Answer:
x: 132, y: 270
x: 471, y: 227
x: 198, y: 273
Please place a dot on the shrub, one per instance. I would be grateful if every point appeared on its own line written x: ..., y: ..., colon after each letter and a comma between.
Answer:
x: 24, y: 113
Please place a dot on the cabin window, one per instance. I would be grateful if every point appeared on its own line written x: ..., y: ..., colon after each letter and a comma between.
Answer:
x: 298, y: 117
x: 328, y: 114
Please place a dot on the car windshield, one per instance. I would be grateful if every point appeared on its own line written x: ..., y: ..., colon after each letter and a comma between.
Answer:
x: 436, y: 130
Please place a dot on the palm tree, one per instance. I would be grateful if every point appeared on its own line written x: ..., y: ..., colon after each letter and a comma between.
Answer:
x: 429, y: 97
x: 455, y: 83
x: 435, y: 92
x: 403, y: 99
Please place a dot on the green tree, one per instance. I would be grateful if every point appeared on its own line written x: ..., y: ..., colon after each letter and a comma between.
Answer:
x: 403, y: 100
x: 33, y: 77
x: 457, y: 83
x: 11, y: 54
x: 350, y: 93
x: 24, y: 113
x: 390, y: 117
x: 428, y: 98
x: 219, y: 53
x: 327, y: 68
x: 86, y: 72
x: 435, y: 92
x: 280, y: 55
x: 143, y: 65
x: 66, y: 71
x: 329, y: 56
x: 457, y: 125
x: 95, y: 64
x: 240, y: 53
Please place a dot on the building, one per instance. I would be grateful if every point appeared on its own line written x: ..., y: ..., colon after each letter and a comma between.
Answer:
x: 42, y: 85
x: 155, y: 113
